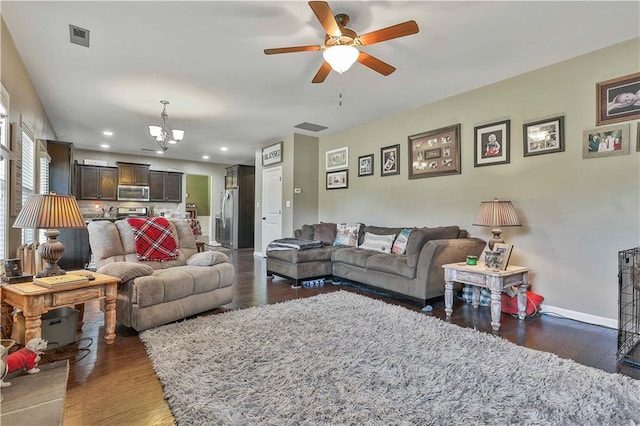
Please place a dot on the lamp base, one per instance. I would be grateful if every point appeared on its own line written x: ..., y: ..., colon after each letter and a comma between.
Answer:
x: 51, y: 251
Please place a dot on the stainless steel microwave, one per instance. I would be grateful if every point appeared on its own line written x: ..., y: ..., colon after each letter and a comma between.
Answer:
x: 133, y: 193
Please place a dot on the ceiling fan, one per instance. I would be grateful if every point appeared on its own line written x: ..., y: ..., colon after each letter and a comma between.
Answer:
x: 340, y: 43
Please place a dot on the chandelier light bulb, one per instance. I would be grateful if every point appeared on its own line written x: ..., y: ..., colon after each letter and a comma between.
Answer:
x: 340, y: 57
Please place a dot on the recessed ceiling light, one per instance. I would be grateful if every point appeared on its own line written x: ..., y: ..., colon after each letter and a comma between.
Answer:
x: 224, y: 148
x: 159, y: 152
x: 206, y: 157
x: 104, y: 145
x: 107, y: 133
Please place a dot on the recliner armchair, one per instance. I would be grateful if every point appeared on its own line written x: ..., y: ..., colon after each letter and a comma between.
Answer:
x: 153, y: 293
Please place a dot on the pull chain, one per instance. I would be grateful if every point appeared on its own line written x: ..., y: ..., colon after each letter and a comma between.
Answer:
x: 340, y: 99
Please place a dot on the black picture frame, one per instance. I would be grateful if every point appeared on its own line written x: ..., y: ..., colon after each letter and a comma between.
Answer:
x: 390, y: 160
x: 338, y: 179
x: 543, y: 136
x: 492, y: 144
x: 365, y: 165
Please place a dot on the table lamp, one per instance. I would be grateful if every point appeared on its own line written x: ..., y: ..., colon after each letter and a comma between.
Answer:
x: 496, y: 214
x: 50, y: 212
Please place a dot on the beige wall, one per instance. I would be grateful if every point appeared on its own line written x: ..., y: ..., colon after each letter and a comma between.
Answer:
x: 577, y: 214
x: 24, y: 105
x: 299, y: 170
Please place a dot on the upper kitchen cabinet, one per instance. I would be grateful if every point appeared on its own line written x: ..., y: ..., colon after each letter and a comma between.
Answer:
x: 165, y: 186
x: 133, y: 174
x: 97, y: 183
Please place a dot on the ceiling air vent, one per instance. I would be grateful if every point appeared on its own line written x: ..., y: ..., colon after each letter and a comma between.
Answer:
x: 310, y: 127
x: 79, y: 35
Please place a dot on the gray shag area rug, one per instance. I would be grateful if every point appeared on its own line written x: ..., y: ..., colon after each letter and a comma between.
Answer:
x: 342, y: 358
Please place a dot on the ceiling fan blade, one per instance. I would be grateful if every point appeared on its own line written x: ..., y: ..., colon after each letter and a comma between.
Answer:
x: 322, y: 73
x: 394, y: 31
x: 375, y: 64
x: 325, y: 16
x: 292, y: 49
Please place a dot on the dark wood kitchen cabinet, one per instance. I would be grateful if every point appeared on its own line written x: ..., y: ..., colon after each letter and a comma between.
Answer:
x: 165, y: 186
x: 133, y: 174
x: 97, y: 183
x: 62, y: 178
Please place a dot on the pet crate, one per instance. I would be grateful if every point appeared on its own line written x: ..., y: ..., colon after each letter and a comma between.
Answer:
x: 629, y: 306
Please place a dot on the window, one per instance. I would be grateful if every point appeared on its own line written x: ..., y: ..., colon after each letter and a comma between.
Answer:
x: 43, y: 178
x: 28, y: 174
x: 4, y: 170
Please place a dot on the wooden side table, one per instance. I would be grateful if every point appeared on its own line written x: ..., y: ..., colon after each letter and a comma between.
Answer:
x: 35, y: 300
x: 478, y: 276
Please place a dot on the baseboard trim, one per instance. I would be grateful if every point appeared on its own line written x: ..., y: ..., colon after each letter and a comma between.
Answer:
x: 580, y: 316
x: 258, y: 254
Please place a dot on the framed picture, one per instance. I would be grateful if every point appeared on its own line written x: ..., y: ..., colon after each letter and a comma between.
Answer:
x: 272, y: 154
x: 337, y: 158
x: 390, y: 160
x: 618, y: 99
x: 504, y: 251
x: 365, y: 165
x: 605, y: 141
x: 543, y: 137
x: 492, y: 144
x: 435, y: 153
x: 338, y: 180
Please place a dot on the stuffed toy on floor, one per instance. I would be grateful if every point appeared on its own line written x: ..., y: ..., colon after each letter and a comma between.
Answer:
x: 28, y: 357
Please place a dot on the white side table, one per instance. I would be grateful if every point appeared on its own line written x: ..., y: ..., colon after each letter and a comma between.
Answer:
x: 478, y: 276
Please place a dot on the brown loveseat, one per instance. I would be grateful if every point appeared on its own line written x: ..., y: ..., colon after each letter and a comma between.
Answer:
x: 417, y: 274
x: 153, y: 293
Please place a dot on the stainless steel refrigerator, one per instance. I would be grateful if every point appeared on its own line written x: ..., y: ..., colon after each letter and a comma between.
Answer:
x: 229, y: 218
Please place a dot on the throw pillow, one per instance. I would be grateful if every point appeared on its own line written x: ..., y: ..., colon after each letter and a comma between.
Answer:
x: 375, y: 242
x: 347, y: 235
x: 125, y: 270
x: 306, y: 232
x: 326, y: 232
x: 207, y: 258
x: 400, y: 244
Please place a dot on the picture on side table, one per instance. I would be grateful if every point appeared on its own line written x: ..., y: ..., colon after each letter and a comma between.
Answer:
x: 337, y: 158
x: 435, y: 153
x: 365, y: 165
x: 504, y: 251
x: 390, y: 160
x: 492, y: 144
x: 543, y: 137
x: 618, y: 99
x: 605, y: 141
x: 338, y: 180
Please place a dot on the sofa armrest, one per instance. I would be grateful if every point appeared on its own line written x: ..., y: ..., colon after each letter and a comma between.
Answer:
x: 207, y: 258
x: 436, y: 253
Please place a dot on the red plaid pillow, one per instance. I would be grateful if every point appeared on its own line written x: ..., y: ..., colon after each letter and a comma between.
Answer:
x: 154, y: 240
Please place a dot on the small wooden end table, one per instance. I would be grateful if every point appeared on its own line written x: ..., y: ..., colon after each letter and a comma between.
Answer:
x: 478, y: 276
x: 35, y: 300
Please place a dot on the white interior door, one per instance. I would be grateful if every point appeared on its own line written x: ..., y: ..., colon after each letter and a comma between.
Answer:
x: 271, y: 206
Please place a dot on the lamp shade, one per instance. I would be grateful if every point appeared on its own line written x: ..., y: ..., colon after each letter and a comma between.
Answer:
x: 497, y: 214
x: 341, y: 57
x: 50, y: 211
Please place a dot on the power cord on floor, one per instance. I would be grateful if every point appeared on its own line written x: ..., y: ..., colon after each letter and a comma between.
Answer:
x: 74, y: 352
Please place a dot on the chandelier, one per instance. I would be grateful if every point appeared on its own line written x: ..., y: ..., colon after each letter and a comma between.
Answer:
x: 163, y: 134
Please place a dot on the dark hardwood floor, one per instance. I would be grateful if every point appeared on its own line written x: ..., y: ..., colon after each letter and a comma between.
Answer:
x: 116, y: 385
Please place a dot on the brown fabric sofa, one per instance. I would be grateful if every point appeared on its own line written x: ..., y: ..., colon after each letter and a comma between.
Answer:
x: 153, y: 293
x: 417, y: 274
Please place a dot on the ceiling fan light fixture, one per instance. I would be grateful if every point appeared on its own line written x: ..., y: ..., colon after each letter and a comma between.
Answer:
x: 341, y: 57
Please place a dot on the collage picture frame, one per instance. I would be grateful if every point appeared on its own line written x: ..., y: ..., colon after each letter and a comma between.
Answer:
x: 435, y: 153
x: 337, y: 158
x: 365, y: 165
x: 543, y: 137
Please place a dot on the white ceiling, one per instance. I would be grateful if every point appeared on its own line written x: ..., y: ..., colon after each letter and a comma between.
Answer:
x: 206, y: 58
